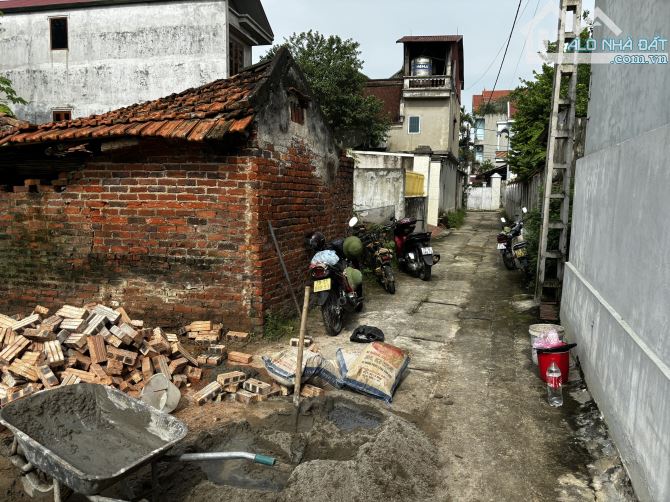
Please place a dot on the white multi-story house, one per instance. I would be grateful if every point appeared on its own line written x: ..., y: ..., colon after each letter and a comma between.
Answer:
x: 493, y: 113
x: 74, y: 58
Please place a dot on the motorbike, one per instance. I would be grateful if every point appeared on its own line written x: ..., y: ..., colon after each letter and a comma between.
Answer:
x: 377, y: 257
x: 337, y: 282
x: 512, y: 245
x: 415, y: 254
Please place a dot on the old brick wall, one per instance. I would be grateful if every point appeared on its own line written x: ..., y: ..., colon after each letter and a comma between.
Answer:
x: 298, y: 201
x: 165, y: 230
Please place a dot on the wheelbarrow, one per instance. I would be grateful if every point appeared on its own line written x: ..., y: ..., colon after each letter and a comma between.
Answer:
x: 88, y: 437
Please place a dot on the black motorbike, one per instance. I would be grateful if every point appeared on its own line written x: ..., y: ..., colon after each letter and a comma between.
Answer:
x: 334, y: 282
x: 376, y: 256
x: 512, y: 246
x: 414, y: 250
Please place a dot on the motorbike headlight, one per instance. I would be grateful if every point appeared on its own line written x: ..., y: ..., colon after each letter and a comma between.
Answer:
x: 411, y: 255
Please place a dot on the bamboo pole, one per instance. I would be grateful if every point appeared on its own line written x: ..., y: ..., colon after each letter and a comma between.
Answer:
x: 301, y: 345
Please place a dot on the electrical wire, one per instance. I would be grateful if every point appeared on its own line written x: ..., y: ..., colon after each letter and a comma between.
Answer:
x: 509, y: 39
x: 525, y: 42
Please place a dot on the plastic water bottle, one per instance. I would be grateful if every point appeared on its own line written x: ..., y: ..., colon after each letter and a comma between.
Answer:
x: 554, y: 386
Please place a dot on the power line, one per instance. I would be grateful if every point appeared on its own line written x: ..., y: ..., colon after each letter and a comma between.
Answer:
x: 525, y: 42
x: 488, y: 67
x: 516, y: 16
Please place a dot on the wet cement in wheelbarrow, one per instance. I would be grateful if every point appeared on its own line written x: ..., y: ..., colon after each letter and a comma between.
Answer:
x: 75, y: 427
x: 340, y: 450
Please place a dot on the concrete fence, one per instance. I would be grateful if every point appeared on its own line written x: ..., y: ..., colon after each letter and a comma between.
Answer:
x: 518, y: 194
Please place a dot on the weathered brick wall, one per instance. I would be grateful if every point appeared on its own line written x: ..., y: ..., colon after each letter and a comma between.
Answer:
x: 298, y: 201
x: 165, y: 231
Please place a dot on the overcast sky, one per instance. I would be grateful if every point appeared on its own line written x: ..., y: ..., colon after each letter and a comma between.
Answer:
x: 377, y: 24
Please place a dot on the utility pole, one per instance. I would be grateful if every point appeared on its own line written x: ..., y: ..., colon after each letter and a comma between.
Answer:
x: 560, y: 167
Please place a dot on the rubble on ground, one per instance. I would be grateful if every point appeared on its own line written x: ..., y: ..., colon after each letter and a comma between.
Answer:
x: 98, y: 344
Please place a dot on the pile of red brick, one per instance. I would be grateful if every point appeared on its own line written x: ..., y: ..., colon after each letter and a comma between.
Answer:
x: 94, y: 344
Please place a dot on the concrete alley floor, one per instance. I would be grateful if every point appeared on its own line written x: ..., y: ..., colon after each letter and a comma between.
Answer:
x: 472, y: 385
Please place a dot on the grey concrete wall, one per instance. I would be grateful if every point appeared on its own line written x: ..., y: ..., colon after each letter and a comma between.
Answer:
x: 118, y: 55
x: 379, y: 180
x: 616, y: 300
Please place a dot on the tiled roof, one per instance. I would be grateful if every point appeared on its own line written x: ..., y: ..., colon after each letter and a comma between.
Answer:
x: 431, y: 38
x: 208, y: 112
x: 388, y: 92
x: 479, y: 99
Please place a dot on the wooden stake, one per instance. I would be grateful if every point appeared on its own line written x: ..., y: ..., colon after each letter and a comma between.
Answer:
x: 301, y: 346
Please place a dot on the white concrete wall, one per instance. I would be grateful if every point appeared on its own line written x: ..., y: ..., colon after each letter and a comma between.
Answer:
x: 616, y: 296
x: 118, y: 55
x: 379, y: 180
x: 485, y: 198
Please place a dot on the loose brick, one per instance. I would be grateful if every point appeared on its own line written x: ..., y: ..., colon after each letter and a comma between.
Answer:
x: 185, y: 353
x: 237, y: 336
x: 208, y: 393
x: 194, y: 375
x: 296, y: 341
x: 14, y: 350
x: 70, y: 312
x: 245, y: 397
x: 239, y: 357
x: 256, y: 386
x: 177, y: 365
x: 76, y: 341
x: 161, y: 365
x: 124, y: 315
x: 23, y: 370
x: 84, y: 376
x: 214, y: 359
x: 114, y: 367
x: 311, y: 391
x: 49, y: 380
x: 147, y: 368
x: 39, y: 309
x: 26, y: 322
x: 126, y: 357
x: 111, y: 315
x: 73, y: 325
x: 231, y: 377
x: 97, y: 349
x: 54, y: 353
x: 100, y: 374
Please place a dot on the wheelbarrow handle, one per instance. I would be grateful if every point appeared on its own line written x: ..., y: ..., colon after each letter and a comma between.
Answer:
x: 222, y: 455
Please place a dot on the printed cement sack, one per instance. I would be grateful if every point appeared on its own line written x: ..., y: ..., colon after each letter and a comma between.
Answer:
x: 281, y: 367
x: 376, y: 371
x: 328, y: 375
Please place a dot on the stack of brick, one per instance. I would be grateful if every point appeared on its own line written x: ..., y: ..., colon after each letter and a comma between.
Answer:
x: 94, y: 344
x: 238, y: 387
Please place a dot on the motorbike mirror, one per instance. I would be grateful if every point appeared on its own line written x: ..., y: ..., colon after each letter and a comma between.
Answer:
x: 524, y: 210
x: 503, y: 220
x: 353, y: 222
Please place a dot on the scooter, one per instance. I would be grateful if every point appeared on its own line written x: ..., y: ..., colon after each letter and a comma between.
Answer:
x: 377, y: 257
x: 337, y: 284
x: 415, y: 254
x: 512, y: 246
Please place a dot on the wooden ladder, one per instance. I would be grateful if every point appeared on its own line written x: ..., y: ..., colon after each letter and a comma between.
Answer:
x: 559, y: 169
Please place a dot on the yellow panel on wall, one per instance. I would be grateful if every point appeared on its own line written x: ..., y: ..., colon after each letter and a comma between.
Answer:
x: 413, y: 184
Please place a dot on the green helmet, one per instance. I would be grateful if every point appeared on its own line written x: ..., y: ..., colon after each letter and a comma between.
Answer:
x: 353, y: 247
x: 354, y: 276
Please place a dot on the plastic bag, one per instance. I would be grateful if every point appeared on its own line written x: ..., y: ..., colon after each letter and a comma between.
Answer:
x: 329, y: 257
x: 376, y: 371
x: 548, y: 340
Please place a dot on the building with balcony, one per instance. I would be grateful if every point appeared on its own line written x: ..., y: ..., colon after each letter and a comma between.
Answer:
x: 494, y: 119
x: 423, y: 103
x: 74, y: 58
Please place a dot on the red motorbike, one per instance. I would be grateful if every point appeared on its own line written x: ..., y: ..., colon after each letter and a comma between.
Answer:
x: 413, y: 249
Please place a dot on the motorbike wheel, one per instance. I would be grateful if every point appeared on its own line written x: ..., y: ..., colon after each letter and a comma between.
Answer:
x: 332, y: 316
x: 389, y: 280
x: 359, y: 292
x: 425, y: 272
x: 508, y: 260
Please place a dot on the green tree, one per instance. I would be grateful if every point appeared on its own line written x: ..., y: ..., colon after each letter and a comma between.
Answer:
x: 332, y: 67
x: 466, y: 154
x: 532, y: 100
x: 8, y: 96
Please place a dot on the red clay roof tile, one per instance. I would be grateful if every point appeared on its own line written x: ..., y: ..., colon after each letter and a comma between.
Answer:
x: 208, y: 112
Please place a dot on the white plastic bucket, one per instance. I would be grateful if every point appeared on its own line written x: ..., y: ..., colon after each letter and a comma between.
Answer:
x: 160, y: 393
x: 537, y: 330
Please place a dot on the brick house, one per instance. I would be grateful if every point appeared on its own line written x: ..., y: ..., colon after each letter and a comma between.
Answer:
x: 164, y: 206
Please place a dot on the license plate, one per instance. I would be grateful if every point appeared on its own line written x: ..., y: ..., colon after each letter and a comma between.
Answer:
x: 501, y: 246
x: 520, y: 253
x: 322, y: 285
x: 425, y: 251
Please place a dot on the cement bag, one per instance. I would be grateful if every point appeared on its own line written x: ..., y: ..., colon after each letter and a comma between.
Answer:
x: 376, y: 371
x: 282, y: 366
x: 329, y: 375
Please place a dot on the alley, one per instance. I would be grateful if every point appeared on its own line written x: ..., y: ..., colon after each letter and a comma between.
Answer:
x: 472, y: 386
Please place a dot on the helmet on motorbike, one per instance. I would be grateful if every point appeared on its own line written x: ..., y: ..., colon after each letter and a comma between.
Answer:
x: 317, y: 241
x: 353, y: 247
